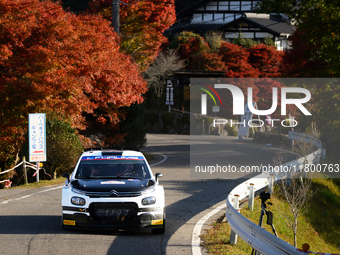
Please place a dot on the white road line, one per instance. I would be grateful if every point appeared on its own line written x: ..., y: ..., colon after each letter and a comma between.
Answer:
x: 26, y: 196
x: 196, y: 240
x: 162, y: 161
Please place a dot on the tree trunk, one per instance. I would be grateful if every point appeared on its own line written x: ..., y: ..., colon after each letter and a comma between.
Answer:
x: 295, y: 231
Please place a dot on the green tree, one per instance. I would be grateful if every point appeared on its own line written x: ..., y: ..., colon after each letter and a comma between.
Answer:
x: 63, y: 147
x: 315, y: 52
x: 315, y: 46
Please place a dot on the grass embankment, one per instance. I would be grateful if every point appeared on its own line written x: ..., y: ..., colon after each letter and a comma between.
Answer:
x: 319, y: 225
x: 41, y: 183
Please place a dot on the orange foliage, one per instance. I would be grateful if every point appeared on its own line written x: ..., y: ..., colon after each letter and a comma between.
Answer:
x: 236, y: 59
x: 142, y: 24
x: 55, y: 61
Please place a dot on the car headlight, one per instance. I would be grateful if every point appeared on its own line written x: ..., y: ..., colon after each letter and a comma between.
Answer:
x: 78, y: 201
x: 148, y: 201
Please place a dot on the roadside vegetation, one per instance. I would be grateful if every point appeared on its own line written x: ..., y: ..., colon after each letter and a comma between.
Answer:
x: 319, y: 224
x: 42, y: 183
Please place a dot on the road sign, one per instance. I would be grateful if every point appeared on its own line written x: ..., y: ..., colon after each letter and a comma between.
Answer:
x: 169, y: 93
x: 216, y: 108
x: 37, y: 137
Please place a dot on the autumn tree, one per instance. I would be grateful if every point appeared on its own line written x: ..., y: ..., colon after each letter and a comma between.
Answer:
x: 189, y: 45
x: 56, y: 62
x: 266, y: 59
x: 142, y: 24
x: 208, y: 61
x: 236, y: 60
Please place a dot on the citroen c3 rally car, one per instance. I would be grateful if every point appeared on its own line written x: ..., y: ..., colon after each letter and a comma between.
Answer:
x: 113, y: 189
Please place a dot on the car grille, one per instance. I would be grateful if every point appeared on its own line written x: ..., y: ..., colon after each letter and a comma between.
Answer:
x: 113, y: 193
x: 113, y: 212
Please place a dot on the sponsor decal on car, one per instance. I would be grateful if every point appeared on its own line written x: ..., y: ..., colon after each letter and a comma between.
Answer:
x: 112, y: 182
x: 112, y: 158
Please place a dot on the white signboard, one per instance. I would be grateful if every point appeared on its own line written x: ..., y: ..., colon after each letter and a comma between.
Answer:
x: 37, y: 137
x: 169, y: 93
x: 216, y: 109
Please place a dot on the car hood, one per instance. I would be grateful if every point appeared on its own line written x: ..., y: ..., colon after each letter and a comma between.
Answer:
x: 107, y: 185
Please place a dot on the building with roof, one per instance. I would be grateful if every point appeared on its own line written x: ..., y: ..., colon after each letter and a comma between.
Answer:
x: 234, y: 19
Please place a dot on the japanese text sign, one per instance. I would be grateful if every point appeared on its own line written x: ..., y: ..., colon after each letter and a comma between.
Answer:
x: 37, y: 137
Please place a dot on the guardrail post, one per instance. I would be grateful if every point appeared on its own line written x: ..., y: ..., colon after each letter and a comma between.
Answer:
x: 25, y: 169
x: 251, y: 196
x: 271, y: 183
x: 323, y: 153
x: 233, y: 235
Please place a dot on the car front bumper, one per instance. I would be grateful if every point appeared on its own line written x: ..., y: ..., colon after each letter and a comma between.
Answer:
x: 113, y: 216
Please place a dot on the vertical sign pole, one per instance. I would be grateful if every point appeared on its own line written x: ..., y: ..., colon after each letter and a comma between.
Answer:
x: 37, y: 176
x: 25, y: 170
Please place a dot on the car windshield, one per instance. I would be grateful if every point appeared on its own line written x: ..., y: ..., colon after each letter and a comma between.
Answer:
x: 112, y: 167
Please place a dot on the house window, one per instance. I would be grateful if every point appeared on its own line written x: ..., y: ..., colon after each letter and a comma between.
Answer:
x: 219, y: 17
x: 197, y: 17
x: 246, y: 6
x: 207, y: 17
x: 235, y: 5
x: 212, y: 6
x: 223, y: 6
x: 229, y: 17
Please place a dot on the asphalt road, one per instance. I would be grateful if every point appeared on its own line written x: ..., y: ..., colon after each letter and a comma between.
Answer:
x: 30, y: 219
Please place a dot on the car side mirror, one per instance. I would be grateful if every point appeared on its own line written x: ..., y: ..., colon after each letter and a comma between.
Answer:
x: 157, y: 176
x: 67, y: 176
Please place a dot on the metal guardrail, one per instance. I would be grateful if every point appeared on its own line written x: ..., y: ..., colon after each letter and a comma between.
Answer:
x: 260, y: 239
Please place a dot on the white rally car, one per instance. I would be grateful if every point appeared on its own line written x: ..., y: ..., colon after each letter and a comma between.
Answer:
x: 113, y: 189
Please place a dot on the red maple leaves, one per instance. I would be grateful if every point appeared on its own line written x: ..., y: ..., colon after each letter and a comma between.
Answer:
x: 55, y: 61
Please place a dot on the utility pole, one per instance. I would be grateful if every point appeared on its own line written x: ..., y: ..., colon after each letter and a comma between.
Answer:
x: 115, y: 15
